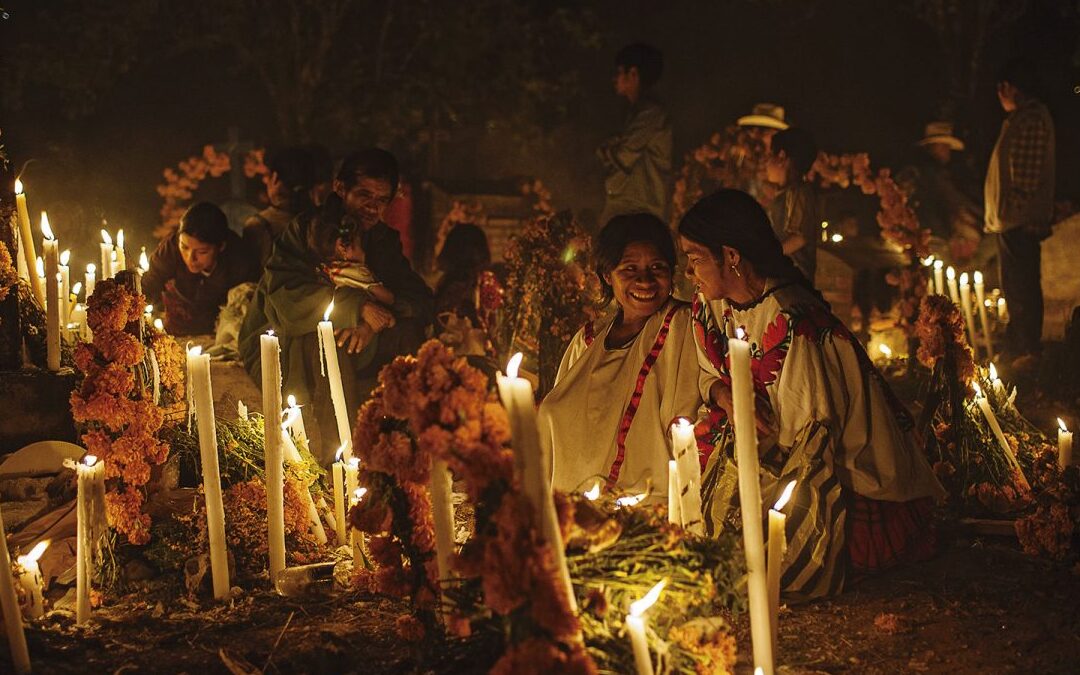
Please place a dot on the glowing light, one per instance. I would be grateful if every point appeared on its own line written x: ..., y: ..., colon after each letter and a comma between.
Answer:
x: 594, y: 493
x: 35, y: 553
x: 91, y: 268
x: 824, y: 224
x: 885, y: 350
x: 740, y: 333
x: 291, y: 400
x: 514, y: 364
x: 639, y: 607
x: 144, y: 262
x: 964, y: 279
x: 195, y: 351
x: 65, y: 257
x: 1061, y: 424
x: 993, y: 372
x: 149, y: 309
x: 977, y: 388
x: 45, y: 228
x: 120, y: 237
x: 359, y: 493
x: 90, y: 460
x: 339, y: 454
x: 18, y: 187
x: 631, y: 500
x: 929, y: 262
x: 106, y: 237
x: 354, y: 462
x: 938, y: 264
x: 77, y: 288
x: 837, y: 238
x: 326, y: 314
x: 950, y: 273
x: 270, y: 332
x: 978, y: 277
x: 159, y: 324
x: 290, y: 417
x: 784, y: 497
x: 683, y: 423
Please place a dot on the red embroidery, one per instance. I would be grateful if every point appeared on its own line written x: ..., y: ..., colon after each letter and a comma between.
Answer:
x: 589, y: 334
x: 635, y: 399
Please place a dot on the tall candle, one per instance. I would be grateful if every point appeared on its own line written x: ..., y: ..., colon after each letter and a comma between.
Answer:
x: 296, y: 415
x: 90, y: 280
x: 777, y: 549
x: 65, y: 286
x: 52, y: 295
x: 121, y: 254
x: 746, y: 451
x: 32, y: 582
x: 87, y: 473
x: 275, y: 477
x: 328, y: 347
x: 517, y: 397
x: 939, y: 280
x: 674, y: 505
x: 356, y: 535
x: 929, y: 265
x: 106, y: 253
x: 9, y: 603
x: 337, y: 471
x: 969, y: 317
x: 980, y: 300
x: 442, y: 512
x: 684, y: 448
x: 199, y: 374
x: 1003, y: 310
x: 27, y: 237
x: 992, y: 422
x: 292, y: 455
x: 635, y: 625
x: 950, y: 276
x: 1065, y: 439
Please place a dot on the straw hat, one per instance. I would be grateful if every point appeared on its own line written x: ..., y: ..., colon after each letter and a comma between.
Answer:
x: 941, y: 132
x: 767, y: 115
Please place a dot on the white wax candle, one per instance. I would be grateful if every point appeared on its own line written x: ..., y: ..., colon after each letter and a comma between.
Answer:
x: 950, y: 276
x: 292, y: 455
x: 87, y: 474
x: 328, y: 345
x: 29, y: 255
x: 992, y: 421
x: 939, y: 278
x: 684, y: 448
x: 1065, y: 442
x: 52, y: 295
x: 275, y: 476
x: 199, y: 374
x: 9, y: 603
x: 969, y: 316
x: 929, y: 265
x: 635, y: 625
x: 517, y: 397
x: 338, y: 473
x: 106, y: 254
x: 65, y: 286
x: 980, y: 301
x: 777, y: 549
x: 296, y: 416
x: 32, y: 582
x: 746, y: 451
x: 442, y: 512
x: 121, y: 254
x: 90, y: 280
x: 356, y: 535
x: 1003, y: 310
x: 673, y: 501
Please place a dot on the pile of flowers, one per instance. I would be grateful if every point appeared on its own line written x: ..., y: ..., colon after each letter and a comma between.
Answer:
x: 9, y: 276
x: 115, y: 401
x: 182, y: 182
x: 436, y: 406
x: 734, y: 158
x: 550, y: 292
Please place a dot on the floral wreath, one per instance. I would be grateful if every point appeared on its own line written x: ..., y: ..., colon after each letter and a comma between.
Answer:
x: 182, y: 182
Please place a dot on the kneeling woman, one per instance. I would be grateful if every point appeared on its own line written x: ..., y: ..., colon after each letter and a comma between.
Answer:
x: 624, y: 378
x: 826, y: 416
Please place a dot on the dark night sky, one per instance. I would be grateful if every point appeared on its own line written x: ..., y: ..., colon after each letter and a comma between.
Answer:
x: 861, y: 75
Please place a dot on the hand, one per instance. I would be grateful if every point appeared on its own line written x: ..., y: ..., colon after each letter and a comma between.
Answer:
x: 377, y: 316
x: 720, y: 396
x: 354, y: 339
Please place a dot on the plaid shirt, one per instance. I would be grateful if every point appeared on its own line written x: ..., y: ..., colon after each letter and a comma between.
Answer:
x: 1020, y: 179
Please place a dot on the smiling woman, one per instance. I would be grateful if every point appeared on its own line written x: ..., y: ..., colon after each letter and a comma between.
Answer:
x: 625, y: 377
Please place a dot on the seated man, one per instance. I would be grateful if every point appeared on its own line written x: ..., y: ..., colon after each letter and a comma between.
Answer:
x: 192, y: 270
x: 384, y: 316
x: 288, y: 187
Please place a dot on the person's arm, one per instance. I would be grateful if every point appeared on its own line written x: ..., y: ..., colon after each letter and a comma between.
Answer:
x: 802, y: 220
x: 412, y: 297
x: 619, y: 154
x: 163, y: 263
x: 1032, y: 139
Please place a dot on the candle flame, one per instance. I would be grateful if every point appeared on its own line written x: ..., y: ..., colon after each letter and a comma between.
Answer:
x: 514, y: 364
x: 964, y: 279
x: 938, y: 264
x: 993, y: 372
x: 289, y: 416
x: 740, y: 333
x: 18, y: 187
x: 354, y: 462
x: 40, y: 265
x: 359, y: 493
x: 90, y: 460
x: 758, y: 670
x: 950, y: 273
x: 682, y: 423
x: 105, y: 236
x: 91, y: 268
x: 885, y: 350
x: 76, y: 288
x: 631, y: 500
x: 270, y: 332
x: 929, y: 262
x: 639, y: 607
x: 1061, y: 425
x: 837, y: 238
x: 339, y: 454
x: 149, y: 309
x: 35, y: 553
x: 329, y: 308
x: 291, y: 400
x: 144, y: 262
x: 45, y: 228
x: 159, y: 324
x: 785, y: 496
x: 120, y: 237
x: 977, y: 388
x: 195, y: 351
x: 65, y: 256
x: 594, y: 493
x: 978, y: 277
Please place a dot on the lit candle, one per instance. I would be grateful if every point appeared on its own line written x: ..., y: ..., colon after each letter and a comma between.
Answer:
x: 337, y: 471
x: 534, y: 467
x: 32, y: 582
x: 78, y: 319
x: 995, y: 381
x: 328, y: 349
x: 296, y: 415
x: 1064, y: 444
x: 929, y: 265
x: 112, y: 264
x: 121, y: 255
x: 65, y: 286
x: 980, y: 302
x: 88, y: 472
x: 91, y: 280
x: 673, y: 504
x: 746, y: 451
x: 199, y: 382
x: 777, y: 549
x: 29, y: 254
x: 593, y: 493
x: 144, y: 265
x: 635, y: 625
x: 241, y: 411
x: 442, y: 512
x: 52, y: 295
x: 969, y: 316
x: 356, y: 535
x: 1003, y: 310
x: 9, y: 603
x: 159, y: 325
x: 292, y: 455
x: 684, y: 448
x: 992, y: 421
x: 939, y: 280
x: 275, y: 476
x: 954, y: 294
x: 106, y: 253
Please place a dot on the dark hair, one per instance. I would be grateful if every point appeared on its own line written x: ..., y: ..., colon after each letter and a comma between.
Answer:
x: 648, y: 60
x: 799, y: 146
x: 206, y: 222
x: 1020, y: 73
x: 466, y: 251
x: 329, y: 223
x: 369, y: 163
x: 620, y: 232
x: 735, y: 219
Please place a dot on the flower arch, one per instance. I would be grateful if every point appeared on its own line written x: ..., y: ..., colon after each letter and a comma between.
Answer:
x: 182, y: 181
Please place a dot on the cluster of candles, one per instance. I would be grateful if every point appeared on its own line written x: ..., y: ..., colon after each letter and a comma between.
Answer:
x: 942, y: 280
x: 64, y: 314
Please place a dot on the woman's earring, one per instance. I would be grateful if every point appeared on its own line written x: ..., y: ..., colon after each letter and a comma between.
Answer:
x: 736, y: 271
